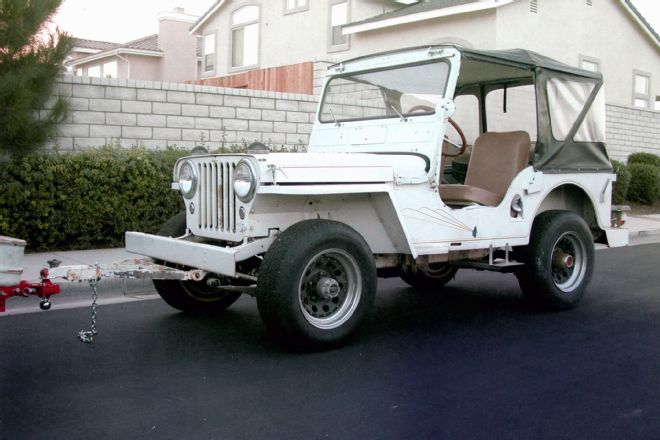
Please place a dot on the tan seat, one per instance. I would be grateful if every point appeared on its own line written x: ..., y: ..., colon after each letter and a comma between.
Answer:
x: 495, y: 161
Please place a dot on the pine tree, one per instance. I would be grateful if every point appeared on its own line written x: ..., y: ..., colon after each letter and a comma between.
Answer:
x: 31, y: 57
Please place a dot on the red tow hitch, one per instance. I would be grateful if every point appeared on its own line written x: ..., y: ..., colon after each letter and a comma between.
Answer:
x: 43, y: 290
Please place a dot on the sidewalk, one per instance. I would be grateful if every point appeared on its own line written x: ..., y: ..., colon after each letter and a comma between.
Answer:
x: 643, y: 229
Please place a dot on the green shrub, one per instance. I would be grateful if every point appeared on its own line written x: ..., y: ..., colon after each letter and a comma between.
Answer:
x: 620, y: 187
x: 87, y: 199
x: 644, y: 158
x: 644, y: 183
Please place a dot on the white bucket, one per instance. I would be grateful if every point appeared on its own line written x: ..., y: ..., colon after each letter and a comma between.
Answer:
x: 11, y: 260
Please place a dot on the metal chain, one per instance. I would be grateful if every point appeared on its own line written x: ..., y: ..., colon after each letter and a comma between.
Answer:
x: 88, y: 336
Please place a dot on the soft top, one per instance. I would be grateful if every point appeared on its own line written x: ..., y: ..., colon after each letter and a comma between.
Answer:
x: 570, y: 151
x: 525, y: 59
x: 521, y: 58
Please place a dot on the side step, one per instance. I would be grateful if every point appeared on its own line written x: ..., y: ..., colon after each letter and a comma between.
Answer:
x: 503, y: 265
x: 497, y: 265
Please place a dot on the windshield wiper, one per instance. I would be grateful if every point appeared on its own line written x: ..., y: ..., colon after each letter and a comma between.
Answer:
x: 337, y: 124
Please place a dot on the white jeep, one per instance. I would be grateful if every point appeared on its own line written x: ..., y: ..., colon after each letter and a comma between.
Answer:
x: 421, y: 162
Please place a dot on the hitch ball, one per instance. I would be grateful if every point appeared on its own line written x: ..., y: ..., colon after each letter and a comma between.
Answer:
x: 45, y: 304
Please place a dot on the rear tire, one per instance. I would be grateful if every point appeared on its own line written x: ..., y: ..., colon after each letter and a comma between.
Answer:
x: 194, y: 297
x: 559, y: 261
x: 316, y: 284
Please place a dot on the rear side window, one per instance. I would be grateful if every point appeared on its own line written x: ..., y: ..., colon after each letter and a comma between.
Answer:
x: 511, y: 109
x: 566, y: 100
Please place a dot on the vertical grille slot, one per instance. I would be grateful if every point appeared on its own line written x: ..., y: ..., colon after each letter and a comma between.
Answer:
x: 217, y: 202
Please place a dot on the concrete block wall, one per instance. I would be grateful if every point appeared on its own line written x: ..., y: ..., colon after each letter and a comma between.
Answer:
x: 319, y: 70
x: 158, y: 115
x: 630, y: 130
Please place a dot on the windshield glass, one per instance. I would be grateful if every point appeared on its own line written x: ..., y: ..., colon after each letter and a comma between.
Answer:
x: 401, y: 91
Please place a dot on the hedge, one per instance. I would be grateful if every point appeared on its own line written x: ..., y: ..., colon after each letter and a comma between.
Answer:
x: 644, y: 158
x: 87, y: 199
x: 620, y: 189
x: 644, y: 183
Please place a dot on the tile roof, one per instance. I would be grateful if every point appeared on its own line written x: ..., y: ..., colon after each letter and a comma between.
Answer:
x: 149, y: 42
x: 94, y: 44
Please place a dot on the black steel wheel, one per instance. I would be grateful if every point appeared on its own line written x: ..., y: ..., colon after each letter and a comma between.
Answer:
x: 197, y: 297
x: 316, y: 284
x: 559, y: 260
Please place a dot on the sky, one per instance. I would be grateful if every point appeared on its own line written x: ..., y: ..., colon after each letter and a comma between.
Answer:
x: 119, y: 21
x: 124, y: 20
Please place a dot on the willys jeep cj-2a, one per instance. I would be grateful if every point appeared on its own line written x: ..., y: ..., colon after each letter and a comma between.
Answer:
x: 421, y: 162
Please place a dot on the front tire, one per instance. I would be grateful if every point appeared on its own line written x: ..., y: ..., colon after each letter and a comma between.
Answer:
x: 559, y: 261
x: 316, y: 284
x: 194, y: 297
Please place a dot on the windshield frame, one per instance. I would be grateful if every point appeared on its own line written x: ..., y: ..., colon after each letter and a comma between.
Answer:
x: 399, y: 116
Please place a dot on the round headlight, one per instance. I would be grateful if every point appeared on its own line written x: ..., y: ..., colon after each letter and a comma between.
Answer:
x: 187, y: 179
x: 245, y: 182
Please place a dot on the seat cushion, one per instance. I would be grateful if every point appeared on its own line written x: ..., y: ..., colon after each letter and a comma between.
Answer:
x: 464, y: 194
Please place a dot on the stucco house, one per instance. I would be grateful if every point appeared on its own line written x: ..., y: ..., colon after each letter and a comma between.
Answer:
x: 169, y: 56
x: 285, y: 46
x: 245, y: 39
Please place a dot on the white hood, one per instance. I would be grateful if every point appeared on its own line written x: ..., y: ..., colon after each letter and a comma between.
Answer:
x: 282, y: 168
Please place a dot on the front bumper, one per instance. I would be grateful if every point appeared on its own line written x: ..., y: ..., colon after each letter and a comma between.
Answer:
x: 208, y: 257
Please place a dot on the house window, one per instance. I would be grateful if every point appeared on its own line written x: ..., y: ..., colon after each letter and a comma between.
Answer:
x: 338, y: 18
x: 209, y: 52
x: 245, y: 37
x: 94, y: 72
x: 295, y: 6
x: 110, y: 69
x: 79, y: 72
x: 641, y: 89
x: 588, y: 63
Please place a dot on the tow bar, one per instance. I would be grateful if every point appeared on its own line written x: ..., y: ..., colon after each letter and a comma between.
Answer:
x: 128, y: 269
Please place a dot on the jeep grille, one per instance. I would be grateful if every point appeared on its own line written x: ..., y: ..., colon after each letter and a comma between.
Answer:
x: 217, y: 201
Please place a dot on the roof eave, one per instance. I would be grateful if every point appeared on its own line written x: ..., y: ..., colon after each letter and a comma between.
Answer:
x: 421, y: 16
x: 85, y: 50
x: 206, y: 16
x: 114, y: 53
x: 634, y: 13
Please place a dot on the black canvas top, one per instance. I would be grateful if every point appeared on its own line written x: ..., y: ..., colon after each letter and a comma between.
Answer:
x: 526, y: 59
x: 521, y: 58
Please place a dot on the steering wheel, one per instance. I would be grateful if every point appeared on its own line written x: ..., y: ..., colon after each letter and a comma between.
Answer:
x: 461, y: 148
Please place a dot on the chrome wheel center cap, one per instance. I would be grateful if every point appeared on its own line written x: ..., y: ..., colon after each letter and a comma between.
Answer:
x: 327, y: 288
x: 563, y: 261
